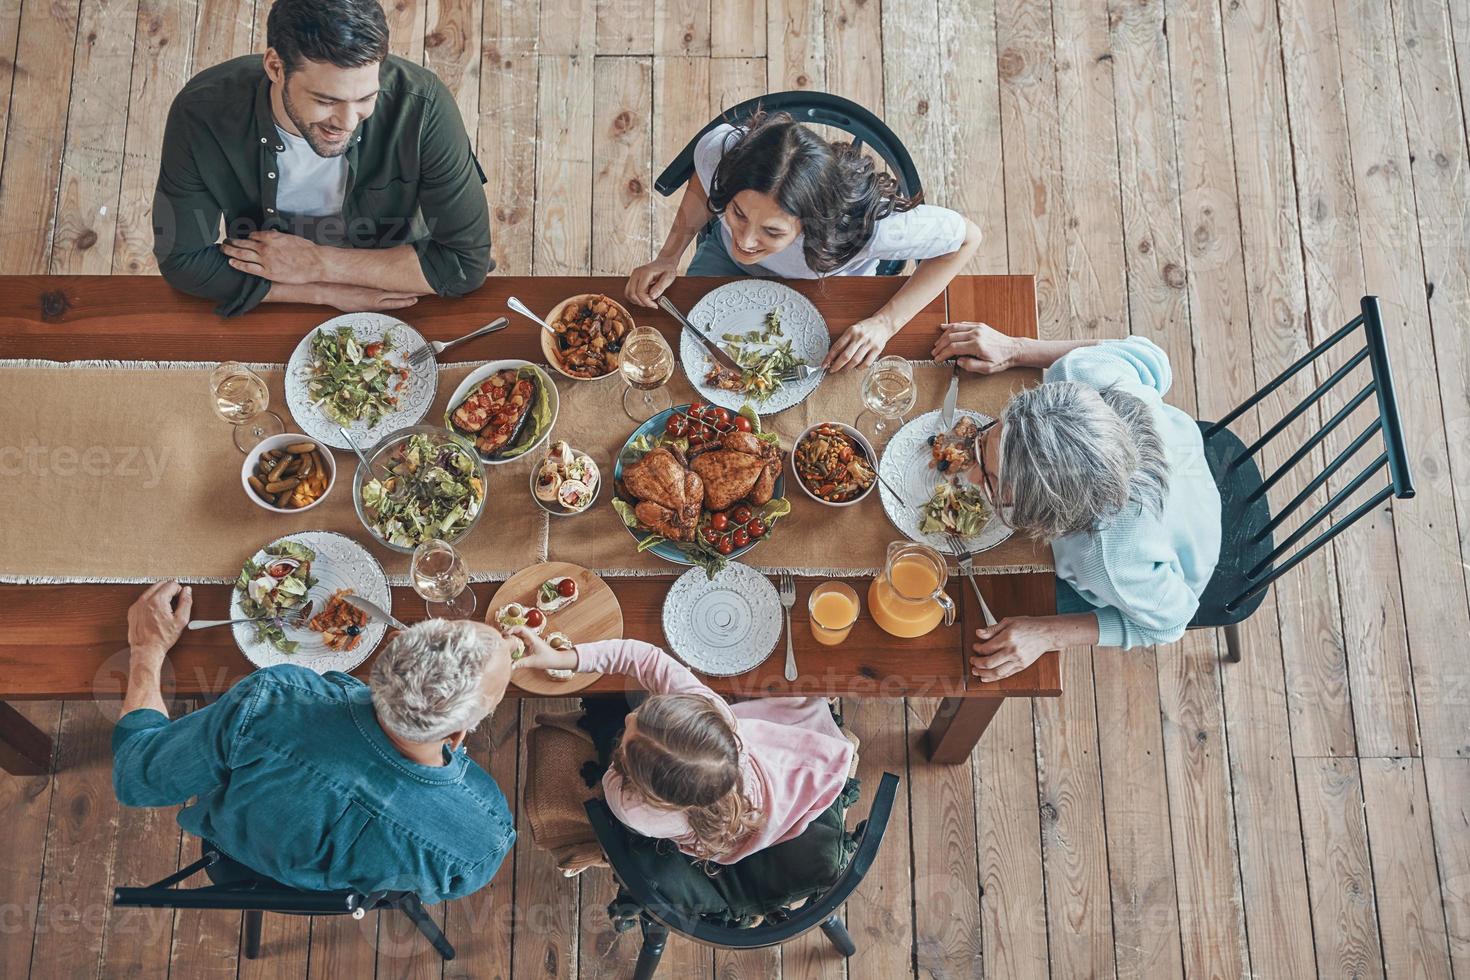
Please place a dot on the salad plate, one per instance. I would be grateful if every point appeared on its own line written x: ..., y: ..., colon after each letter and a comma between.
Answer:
x: 282, y: 576
x: 738, y: 316
x: 686, y: 432
x: 725, y: 625
x: 421, y: 482
x: 353, y: 371
x: 907, y: 466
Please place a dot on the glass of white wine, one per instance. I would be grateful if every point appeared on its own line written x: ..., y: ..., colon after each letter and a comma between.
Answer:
x: 647, y: 363
x: 242, y: 399
x: 889, y: 393
x: 442, y: 580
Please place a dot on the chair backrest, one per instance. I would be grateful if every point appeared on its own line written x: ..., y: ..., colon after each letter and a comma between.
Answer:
x: 1281, y: 557
x: 647, y: 894
x: 817, y: 109
x: 250, y: 895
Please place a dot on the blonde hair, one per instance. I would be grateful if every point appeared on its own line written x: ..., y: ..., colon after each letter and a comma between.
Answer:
x: 684, y: 756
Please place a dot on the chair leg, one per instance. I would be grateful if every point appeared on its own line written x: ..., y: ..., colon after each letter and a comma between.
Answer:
x: 655, y: 937
x: 425, y: 923
x: 837, y: 933
x: 1232, y: 643
x: 252, y: 933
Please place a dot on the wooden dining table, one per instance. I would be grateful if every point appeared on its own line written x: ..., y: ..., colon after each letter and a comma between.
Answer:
x: 69, y: 641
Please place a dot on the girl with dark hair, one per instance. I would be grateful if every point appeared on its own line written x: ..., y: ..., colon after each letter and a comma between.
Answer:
x: 789, y: 204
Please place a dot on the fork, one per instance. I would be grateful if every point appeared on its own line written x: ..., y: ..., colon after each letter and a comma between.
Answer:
x: 965, y: 558
x: 434, y: 348
x: 788, y: 599
x: 798, y: 373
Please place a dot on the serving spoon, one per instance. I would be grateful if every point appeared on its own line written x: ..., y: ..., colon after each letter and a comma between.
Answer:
x: 525, y: 311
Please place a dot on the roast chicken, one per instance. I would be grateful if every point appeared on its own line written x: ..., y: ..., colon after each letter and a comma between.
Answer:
x: 743, y: 468
x: 670, y: 496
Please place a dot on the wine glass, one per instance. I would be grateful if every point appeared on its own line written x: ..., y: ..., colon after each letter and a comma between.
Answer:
x: 647, y: 364
x: 241, y: 399
x: 888, y: 393
x: 442, y: 580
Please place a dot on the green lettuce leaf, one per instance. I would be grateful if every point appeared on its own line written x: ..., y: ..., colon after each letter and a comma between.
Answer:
x: 540, y: 416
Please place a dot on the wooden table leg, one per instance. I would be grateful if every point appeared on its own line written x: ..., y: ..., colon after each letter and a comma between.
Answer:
x: 957, y: 727
x: 25, y: 750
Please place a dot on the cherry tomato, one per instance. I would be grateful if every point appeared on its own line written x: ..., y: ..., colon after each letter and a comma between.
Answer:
x: 742, y: 423
x: 372, y: 350
x: 741, y: 538
x: 724, y: 547
x: 741, y: 514
x: 534, y: 618
x: 676, y: 426
x: 723, y: 416
x: 719, y: 521
x: 566, y: 588
x: 756, y: 528
x: 707, y: 433
x: 696, y: 407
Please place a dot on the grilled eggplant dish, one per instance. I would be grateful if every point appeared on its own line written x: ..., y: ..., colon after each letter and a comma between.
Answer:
x: 505, y: 414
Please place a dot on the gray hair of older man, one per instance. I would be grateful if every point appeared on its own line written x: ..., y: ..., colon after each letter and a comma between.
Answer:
x: 426, y: 684
x: 1074, y: 457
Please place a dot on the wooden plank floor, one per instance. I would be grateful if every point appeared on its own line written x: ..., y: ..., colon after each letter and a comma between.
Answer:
x: 1226, y: 177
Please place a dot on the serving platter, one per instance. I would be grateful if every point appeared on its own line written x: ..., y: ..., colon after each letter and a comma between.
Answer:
x: 340, y: 563
x: 905, y: 466
x: 414, y: 400
x: 740, y: 307
x: 723, y: 626
x: 596, y: 615
x: 473, y: 380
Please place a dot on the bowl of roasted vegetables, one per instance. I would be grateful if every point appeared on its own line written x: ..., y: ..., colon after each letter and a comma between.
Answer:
x: 835, y: 464
x: 505, y: 408
x: 422, y: 482
x: 288, y: 473
x: 589, y: 335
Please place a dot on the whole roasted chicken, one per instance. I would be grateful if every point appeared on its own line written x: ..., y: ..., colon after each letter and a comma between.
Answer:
x: 743, y: 468
x: 670, y: 496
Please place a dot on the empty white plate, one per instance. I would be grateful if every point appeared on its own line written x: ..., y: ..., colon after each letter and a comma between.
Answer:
x: 726, y: 626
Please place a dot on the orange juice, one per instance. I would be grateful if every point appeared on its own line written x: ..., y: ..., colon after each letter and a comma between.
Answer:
x: 894, y: 610
x: 833, y: 608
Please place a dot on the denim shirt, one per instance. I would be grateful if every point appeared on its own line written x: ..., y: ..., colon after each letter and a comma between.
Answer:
x: 291, y: 775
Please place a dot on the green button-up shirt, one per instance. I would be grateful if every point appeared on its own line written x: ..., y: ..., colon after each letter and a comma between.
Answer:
x: 412, y: 179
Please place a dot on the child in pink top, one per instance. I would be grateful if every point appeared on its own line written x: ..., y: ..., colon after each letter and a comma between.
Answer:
x: 722, y: 781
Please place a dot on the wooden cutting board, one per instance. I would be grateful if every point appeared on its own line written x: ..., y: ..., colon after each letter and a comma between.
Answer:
x: 595, y: 615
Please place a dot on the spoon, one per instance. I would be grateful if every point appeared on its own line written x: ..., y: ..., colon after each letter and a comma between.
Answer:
x: 525, y: 311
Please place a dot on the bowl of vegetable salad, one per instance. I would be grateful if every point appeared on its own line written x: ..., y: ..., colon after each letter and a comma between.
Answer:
x: 421, y: 483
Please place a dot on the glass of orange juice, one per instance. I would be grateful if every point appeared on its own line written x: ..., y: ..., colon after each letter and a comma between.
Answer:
x: 833, y: 607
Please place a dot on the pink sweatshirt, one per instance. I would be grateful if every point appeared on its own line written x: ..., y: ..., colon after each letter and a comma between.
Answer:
x: 795, y: 758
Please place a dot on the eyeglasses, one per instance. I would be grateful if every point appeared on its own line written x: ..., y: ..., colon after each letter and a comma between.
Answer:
x: 977, y: 449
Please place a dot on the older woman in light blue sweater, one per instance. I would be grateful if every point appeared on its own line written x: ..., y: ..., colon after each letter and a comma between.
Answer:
x: 1094, y: 462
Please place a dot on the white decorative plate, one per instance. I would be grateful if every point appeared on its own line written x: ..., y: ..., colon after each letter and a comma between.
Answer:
x: 905, y: 465
x: 726, y: 626
x: 341, y: 563
x: 413, y: 401
x: 739, y: 307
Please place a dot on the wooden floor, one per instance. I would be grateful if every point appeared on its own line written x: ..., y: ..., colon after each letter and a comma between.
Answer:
x: 1225, y: 177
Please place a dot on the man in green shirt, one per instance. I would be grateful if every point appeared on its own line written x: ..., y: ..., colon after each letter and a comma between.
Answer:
x: 343, y: 175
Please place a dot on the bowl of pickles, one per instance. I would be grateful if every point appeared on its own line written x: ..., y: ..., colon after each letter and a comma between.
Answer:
x: 288, y: 473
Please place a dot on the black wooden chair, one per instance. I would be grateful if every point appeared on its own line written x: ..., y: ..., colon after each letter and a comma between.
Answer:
x: 1250, y: 557
x: 658, y: 916
x: 816, y: 109
x: 241, y: 890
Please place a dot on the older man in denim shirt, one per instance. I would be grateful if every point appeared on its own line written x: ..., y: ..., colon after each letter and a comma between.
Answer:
x: 320, y: 781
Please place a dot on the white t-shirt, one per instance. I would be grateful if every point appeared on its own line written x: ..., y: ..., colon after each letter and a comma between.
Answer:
x: 308, y: 185
x: 921, y: 233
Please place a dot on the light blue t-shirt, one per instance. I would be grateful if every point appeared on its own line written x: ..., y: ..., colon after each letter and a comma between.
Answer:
x: 292, y: 776
x: 1143, y: 573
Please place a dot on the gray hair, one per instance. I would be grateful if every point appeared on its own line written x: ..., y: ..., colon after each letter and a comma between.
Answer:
x: 426, y: 684
x: 1075, y: 456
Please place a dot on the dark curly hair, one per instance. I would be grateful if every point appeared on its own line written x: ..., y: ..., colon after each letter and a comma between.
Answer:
x: 833, y: 189
x: 345, y: 33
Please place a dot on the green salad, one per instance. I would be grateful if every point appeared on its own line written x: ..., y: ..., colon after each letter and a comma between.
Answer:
x: 430, y: 489
x: 960, y: 510
x: 764, y: 354
x: 276, y: 587
x: 351, y: 381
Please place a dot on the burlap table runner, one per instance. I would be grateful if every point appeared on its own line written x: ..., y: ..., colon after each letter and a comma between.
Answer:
x: 122, y: 473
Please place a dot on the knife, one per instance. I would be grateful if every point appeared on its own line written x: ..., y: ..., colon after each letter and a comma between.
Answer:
x: 374, y: 611
x: 951, y: 398
x: 721, y: 358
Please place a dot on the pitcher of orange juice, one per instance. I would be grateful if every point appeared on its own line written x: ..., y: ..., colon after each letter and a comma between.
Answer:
x: 908, y: 598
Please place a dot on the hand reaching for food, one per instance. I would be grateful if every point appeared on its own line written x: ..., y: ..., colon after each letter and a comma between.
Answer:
x: 860, y: 344
x: 540, y: 654
x: 648, y: 282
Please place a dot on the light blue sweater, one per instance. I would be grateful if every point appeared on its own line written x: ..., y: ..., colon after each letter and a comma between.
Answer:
x: 1142, y: 573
